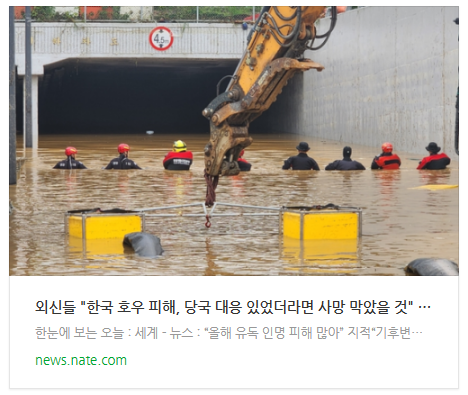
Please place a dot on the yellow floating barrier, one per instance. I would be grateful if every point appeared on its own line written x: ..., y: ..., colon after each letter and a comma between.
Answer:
x: 96, y: 248
x: 321, y: 236
x: 321, y: 222
x: 436, y: 187
x: 105, y: 224
x: 325, y: 253
x: 99, y: 233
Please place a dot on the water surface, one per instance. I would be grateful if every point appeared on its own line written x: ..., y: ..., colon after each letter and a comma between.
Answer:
x: 399, y: 223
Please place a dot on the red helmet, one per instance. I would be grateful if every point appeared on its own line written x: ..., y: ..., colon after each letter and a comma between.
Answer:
x: 70, y: 151
x: 123, y: 148
x: 387, y: 147
x: 241, y: 153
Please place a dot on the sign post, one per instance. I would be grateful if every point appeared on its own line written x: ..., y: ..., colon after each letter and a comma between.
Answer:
x: 12, y: 79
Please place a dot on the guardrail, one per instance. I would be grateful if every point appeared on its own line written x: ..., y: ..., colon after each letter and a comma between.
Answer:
x: 159, y: 14
x: 209, y: 214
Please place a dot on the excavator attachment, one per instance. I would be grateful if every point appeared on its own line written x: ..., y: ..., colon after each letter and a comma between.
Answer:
x: 229, y: 124
x: 274, y: 55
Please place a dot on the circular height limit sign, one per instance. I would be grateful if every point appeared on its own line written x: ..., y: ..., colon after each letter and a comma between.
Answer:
x: 161, y: 38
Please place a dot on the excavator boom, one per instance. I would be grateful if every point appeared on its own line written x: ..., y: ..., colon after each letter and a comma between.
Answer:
x: 274, y: 54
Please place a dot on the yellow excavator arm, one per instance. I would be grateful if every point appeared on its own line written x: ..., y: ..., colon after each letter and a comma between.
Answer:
x: 273, y: 55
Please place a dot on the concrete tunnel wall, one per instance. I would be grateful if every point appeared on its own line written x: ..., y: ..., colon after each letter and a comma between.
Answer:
x: 391, y: 74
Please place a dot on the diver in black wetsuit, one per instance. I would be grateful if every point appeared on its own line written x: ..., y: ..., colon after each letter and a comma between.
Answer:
x: 346, y: 163
x: 301, y: 161
x: 70, y: 162
x: 122, y: 162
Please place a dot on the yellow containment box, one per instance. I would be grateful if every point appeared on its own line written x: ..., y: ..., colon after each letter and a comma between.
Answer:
x: 105, y: 224
x: 97, y: 248
x: 321, y: 256
x: 335, y: 251
x: 321, y: 222
x: 321, y: 239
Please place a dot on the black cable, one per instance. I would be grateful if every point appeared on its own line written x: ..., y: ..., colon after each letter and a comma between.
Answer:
x: 281, y: 16
x: 275, y: 26
x: 278, y: 40
x: 332, y: 24
x: 327, y: 34
x: 315, y: 207
x: 294, y: 33
x: 286, y: 25
x: 221, y: 80
x: 254, y: 28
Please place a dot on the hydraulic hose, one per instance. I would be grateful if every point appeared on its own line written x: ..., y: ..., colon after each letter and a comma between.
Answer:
x: 277, y: 29
x: 293, y: 35
x: 264, y: 9
x: 328, y: 33
x: 284, y: 18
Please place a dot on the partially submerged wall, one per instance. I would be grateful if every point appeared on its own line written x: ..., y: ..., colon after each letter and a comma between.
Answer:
x: 391, y: 74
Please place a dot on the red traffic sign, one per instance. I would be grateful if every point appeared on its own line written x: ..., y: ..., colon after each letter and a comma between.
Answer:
x: 161, y: 38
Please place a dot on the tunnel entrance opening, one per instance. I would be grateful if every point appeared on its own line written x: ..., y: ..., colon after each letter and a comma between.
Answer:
x: 129, y: 95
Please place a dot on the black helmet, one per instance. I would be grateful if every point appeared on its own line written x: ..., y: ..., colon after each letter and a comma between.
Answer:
x: 303, y: 146
x: 433, y: 147
x: 347, y: 152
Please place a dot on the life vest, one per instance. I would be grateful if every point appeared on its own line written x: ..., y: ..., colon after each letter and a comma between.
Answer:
x: 388, y: 162
x: 178, y: 160
x: 243, y: 164
x: 434, y: 162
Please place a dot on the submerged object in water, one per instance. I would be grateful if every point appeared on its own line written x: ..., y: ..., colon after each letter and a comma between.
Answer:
x: 436, y: 187
x: 432, y: 267
x: 144, y: 244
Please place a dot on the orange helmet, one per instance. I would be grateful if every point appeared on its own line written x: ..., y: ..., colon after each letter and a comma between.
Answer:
x: 70, y: 151
x: 123, y: 148
x: 387, y: 147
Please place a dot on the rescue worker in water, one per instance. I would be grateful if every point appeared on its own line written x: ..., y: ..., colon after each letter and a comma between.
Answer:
x: 434, y: 161
x: 179, y: 158
x: 70, y: 162
x: 243, y: 164
x: 122, y: 162
x: 301, y: 161
x: 387, y: 160
x: 346, y: 163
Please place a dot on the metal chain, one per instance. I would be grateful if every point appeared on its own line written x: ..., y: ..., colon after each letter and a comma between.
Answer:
x: 211, y: 184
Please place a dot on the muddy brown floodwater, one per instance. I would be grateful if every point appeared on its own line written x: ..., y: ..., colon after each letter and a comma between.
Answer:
x: 400, y: 221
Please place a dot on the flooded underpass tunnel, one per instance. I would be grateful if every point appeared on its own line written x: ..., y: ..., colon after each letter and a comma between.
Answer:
x: 129, y: 95
x: 94, y: 105
x: 406, y: 214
